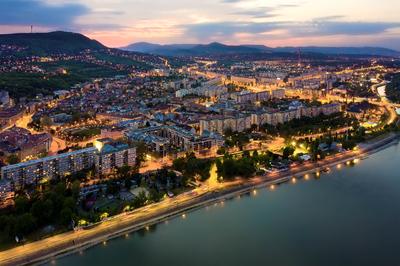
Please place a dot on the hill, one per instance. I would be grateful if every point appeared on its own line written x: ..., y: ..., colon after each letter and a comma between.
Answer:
x: 97, y: 61
x: 57, y: 42
x: 213, y: 49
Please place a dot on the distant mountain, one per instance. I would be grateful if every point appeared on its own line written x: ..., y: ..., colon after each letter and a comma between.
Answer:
x: 378, y: 51
x: 218, y: 48
x: 190, y: 49
x: 51, y: 43
x: 222, y: 49
x: 142, y: 47
x: 145, y: 47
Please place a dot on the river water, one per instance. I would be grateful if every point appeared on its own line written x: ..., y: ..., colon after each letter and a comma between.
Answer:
x: 350, y: 216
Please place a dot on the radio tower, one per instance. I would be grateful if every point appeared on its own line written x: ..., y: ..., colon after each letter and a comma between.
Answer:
x: 31, y: 28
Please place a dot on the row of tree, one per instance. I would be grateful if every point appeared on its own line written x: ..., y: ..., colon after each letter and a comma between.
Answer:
x: 192, y: 167
x: 56, y: 206
x: 244, y: 166
x: 307, y: 125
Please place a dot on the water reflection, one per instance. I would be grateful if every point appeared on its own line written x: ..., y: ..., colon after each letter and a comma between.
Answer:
x: 349, y: 214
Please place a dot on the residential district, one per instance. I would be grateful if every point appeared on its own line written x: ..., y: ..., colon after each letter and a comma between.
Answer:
x: 77, y: 156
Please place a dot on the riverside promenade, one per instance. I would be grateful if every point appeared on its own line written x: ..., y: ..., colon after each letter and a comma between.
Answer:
x: 74, y: 241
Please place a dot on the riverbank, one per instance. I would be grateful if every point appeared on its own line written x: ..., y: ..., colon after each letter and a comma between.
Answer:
x: 67, y: 243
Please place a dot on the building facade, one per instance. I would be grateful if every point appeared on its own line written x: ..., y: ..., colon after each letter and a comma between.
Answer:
x: 243, y: 122
x: 163, y: 138
x: 103, y: 159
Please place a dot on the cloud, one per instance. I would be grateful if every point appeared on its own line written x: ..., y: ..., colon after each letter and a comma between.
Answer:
x: 226, y: 29
x: 259, y: 13
x: 37, y: 12
x: 320, y: 27
x: 328, y: 18
x: 330, y: 27
x: 232, y: 1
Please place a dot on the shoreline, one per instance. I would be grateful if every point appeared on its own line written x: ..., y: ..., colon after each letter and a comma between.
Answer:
x: 89, y: 238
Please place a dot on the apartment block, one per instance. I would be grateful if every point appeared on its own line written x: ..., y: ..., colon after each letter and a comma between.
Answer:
x: 103, y: 158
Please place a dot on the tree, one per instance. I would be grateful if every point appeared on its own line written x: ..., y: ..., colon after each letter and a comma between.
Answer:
x: 221, y: 151
x: 42, y: 211
x: 140, y: 200
x: 128, y: 183
x: 112, y: 188
x: 21, y: 204
x: 141, y: 150
x: 349, y: 144
x: 254, y: 127
x: 13, y: 159
x: 76, y: 116
x: 227, y: 168
x: 155, y: 195
x: 245, y: 167
x: 46, y: 121
x: 179, y: 164
x: 191, y: 167
x: 255, y: 154
x: 66, y: 216
x: 60, y: 188
x: 123, y: 172
x: 288, y: 151
x: 7, y: 225
x: 69, y: 203
x: 75, y: 189
x: 24, y: 224
x: 228, y: 132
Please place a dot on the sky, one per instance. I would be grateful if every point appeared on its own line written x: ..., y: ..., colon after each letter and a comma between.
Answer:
x: 117, y: 23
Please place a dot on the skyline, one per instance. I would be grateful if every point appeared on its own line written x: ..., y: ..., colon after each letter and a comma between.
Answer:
x: 276, y: 23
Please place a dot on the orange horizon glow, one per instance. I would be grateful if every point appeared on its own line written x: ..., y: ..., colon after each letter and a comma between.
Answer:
x: 276, y: 23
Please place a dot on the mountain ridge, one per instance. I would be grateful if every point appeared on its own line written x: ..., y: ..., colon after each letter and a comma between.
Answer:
x: 219, y: 48
x: 62, y: 42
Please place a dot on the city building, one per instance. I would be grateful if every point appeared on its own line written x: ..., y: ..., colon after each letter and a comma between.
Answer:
x: 10, y: 116
x: 278, y: 94
x: 6, y: 193
x: 243, y: 81
x: 113, y: 155
x: 51, y: 167
x: 251, y: 97
x: 22, y: 142
x: 105, y: 156
x: 241, y: 122
x: 221, y: 123
x: 5, y: 100
x: 162, y: 139
x: 211, y: 88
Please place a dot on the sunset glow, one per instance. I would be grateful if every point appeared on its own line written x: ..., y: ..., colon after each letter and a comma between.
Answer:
x: 272, y: 23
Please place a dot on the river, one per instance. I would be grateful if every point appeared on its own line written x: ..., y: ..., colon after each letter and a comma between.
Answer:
x: 349, y: 216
